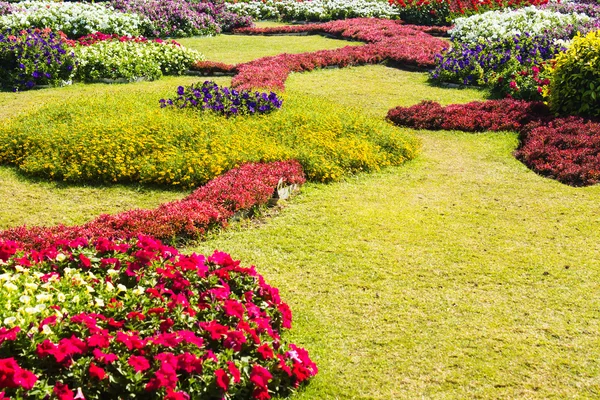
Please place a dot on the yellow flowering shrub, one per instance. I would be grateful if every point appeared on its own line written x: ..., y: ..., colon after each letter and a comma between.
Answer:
x: 125, y: 138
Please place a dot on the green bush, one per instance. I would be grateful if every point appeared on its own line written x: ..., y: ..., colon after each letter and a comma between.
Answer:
x: 128, y: 138
x: 575, y: 79
x: 131, y: 60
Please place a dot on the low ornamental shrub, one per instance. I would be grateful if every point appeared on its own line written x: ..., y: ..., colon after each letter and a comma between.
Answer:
x: 566, y: 149
x: 209, y: 206
x: 132, y: 59
x: 404, y: 45
x: 118, y: 319
x: 34, y: 57
x: 123, y: 136
x: 575, y: 78
x: 74, y: 19
x: 223, y: 100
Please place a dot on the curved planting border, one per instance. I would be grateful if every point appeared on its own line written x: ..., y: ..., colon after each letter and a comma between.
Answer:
x: 210, y: 206
x: 407, y: 46
x: 137, y: 319
x: 563, y: 148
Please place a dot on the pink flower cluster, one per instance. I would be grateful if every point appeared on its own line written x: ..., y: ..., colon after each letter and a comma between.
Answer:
x: 386, y: 40
x: 209, y: 206
x: 92, y: 38
x: 204, y: 327
x: 563, y: 148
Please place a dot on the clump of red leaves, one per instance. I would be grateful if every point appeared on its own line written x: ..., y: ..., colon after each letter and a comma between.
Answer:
x: 386, y: 40
x: 563, y: 148
x: 209, y: 206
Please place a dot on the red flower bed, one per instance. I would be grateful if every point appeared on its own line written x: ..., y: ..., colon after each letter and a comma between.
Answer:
x: 386, y: 40
x: 211, y: 67
x: 493, y: 115
x: 565, y: 149
x: 137, y: 319
x: 209, y: 206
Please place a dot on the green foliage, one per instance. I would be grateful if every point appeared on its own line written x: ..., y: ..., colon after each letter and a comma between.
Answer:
x: 130, y: 60
x: 126, y: 139
x: 575, y: 82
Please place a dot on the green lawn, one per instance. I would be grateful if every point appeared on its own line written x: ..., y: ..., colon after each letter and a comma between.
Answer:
x: 461, y: 274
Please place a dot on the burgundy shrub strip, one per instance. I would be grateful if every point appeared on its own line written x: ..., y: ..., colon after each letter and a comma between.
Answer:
x: 563, y: 148
x: 386, y: 40
x: 209, y: 206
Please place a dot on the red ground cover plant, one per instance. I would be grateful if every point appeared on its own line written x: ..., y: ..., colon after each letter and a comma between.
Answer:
x: 211, y: 67
x: 386, y: 40
x: 137, y: 319
x: 211, y: 205
x: 563, y: 148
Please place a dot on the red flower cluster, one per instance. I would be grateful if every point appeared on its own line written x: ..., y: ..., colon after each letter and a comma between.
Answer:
x: 212, y: 67
x: 200, y: 322
x: 209, y: 206
x: 405, y: 45
x: 92, y: 38
x: 563, y: 148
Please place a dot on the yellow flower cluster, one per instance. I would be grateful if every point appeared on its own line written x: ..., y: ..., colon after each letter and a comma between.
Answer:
x: 128, y: 139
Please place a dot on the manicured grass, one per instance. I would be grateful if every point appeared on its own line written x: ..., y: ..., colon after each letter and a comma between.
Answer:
x: 248, y: 48
x: 460, y: 275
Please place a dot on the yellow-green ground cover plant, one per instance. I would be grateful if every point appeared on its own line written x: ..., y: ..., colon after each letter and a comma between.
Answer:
x: 121, y: 138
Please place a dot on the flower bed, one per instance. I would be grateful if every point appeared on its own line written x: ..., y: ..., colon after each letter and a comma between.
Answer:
x: 209, y: 206
x: 404, y: 45
x: 501, y: 25
x: 74, y: 19
x: 563, y: 148
x: 314, y: 10
x: 124, y: 138
x: 223, y: 100
x: 112, y: 319
x: 178, y: 18
x: 444, y: 12
x: 132, y: 59
x: 20, y: 55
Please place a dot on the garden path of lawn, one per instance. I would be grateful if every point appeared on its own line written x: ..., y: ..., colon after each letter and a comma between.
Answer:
x: 461, y: 274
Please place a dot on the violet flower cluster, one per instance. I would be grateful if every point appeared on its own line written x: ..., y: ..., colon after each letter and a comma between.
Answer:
x: 471, y: 63
x: 179, y: 18
x: 34, y: 57
x: 223, y: 100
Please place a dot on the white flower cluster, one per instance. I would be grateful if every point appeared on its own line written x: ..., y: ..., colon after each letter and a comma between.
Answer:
x: 74, y: 19
x: 313, y: 10
x: 498, y: 25
x: 131, y: 60
x: 25, y: 301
